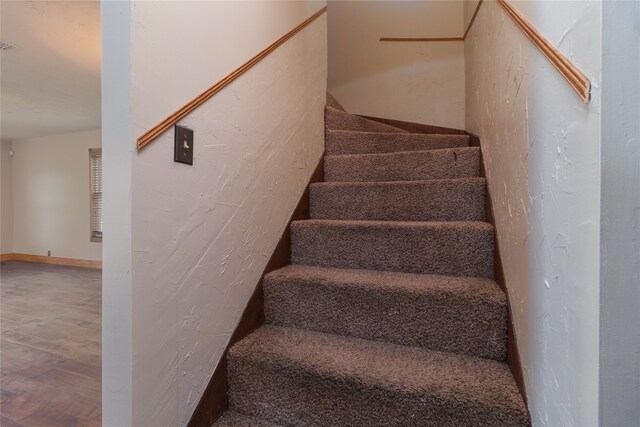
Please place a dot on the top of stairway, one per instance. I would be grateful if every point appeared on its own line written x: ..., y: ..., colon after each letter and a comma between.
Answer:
x: 335, y: 110
x: 358, y: 142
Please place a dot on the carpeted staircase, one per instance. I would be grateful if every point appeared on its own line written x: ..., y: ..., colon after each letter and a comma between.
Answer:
x: 388, y: 314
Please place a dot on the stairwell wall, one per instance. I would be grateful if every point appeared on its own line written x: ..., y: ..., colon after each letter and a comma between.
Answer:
x: 412, y: 81
x: 200, y: 235
x: 620, y: 220
x: 541, y: 147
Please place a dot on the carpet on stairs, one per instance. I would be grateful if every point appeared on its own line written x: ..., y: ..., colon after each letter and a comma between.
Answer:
x: 389, y: 314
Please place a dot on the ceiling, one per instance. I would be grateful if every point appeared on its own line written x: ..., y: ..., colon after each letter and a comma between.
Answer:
x: 50, y: 81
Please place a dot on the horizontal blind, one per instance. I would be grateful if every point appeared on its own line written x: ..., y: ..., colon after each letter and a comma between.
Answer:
x: 95, y: 171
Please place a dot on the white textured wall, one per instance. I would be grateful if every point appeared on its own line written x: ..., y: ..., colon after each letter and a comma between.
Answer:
x: 182, y: 48
x: 541, y: 147
x: 413, y: 81
x: 117, y: 161
x: 201, y: 235
x: 6, y: 198
x: 51, y: 196
x: 620, y: 222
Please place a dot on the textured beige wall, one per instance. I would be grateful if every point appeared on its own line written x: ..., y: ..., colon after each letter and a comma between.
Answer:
x: 541, y: 147
x: 51, y: 196
x: 413, y: 81
x: 202, y: 234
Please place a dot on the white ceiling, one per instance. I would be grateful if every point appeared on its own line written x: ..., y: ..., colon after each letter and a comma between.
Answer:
x: 50, y: 81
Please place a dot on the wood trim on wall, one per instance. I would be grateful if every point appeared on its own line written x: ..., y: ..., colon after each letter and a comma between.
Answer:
x: 214, y: 401
x: 473, y: 19
x: 6, y: 257
x: 436, y: 39
x: 70, y: 262
x: 167, y: 123
x: 421, y: 39
x: 576, y: 78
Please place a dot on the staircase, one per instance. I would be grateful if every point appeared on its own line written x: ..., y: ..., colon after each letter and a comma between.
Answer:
x: 388, y: 314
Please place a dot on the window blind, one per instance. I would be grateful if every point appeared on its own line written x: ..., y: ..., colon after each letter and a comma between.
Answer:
x: 95, y: 175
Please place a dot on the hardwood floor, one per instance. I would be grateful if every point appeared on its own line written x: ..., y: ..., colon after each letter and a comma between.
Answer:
x: 50, y: 345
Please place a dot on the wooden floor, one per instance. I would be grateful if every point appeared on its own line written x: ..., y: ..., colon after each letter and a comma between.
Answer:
x: 50, y: 355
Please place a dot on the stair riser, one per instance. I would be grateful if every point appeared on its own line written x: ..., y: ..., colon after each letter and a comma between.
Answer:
x: 290, y: 396
x: 345, y: 142
x: 339, y: 120
x: 406, y: 166
x: 437, y: 321
x: 446, y: 250
x: 234, y: 419
x: 443, y: 201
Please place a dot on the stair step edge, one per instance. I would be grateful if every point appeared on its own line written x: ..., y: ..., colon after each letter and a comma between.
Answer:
x: 460, y: 379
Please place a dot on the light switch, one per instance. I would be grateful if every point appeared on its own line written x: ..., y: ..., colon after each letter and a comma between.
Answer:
x: 183, y: 145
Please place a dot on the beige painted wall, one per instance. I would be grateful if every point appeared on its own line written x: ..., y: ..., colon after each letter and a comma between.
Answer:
x: 190, y: 242
x: 413, y: 81
x: 469, y: 8
x: 6, y: 198
x: 51, y: 196
x: 541, y: 148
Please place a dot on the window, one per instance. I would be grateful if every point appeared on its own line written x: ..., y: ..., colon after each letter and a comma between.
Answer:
x: 95, y: 175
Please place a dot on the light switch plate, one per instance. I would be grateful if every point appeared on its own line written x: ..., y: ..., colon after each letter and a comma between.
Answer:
x: 183, y: 145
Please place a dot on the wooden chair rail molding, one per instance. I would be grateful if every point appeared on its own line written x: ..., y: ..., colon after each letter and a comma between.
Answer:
x: 570, y: 72
x: 576, y: 78
x: 421, y: 39
x: 41, y: 259
x: 167, y: 123
x: 436, y: 39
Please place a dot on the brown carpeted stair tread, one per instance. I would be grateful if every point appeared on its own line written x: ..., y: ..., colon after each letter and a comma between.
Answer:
x: 461, y: 199
x: 299, y: 377
x: 388, y: 314
x: 465, y: 315
x: 463, y: 162
x: 413, y: 127
x: 236, y: 419
x: 354, y: 142
x: 338, y: 119
x: 456, y: 248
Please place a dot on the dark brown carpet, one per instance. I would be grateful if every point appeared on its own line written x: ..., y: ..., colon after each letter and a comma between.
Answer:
x: 297, y: 377
x: 236, y: 419
x: 409, y: 309
x: 452, y: 248
x: 389, y: 314
x: 332, y: 102
x: 435, y: 200
x: 351, y: 142
x: 338, y: 119
x: 404, y: 166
